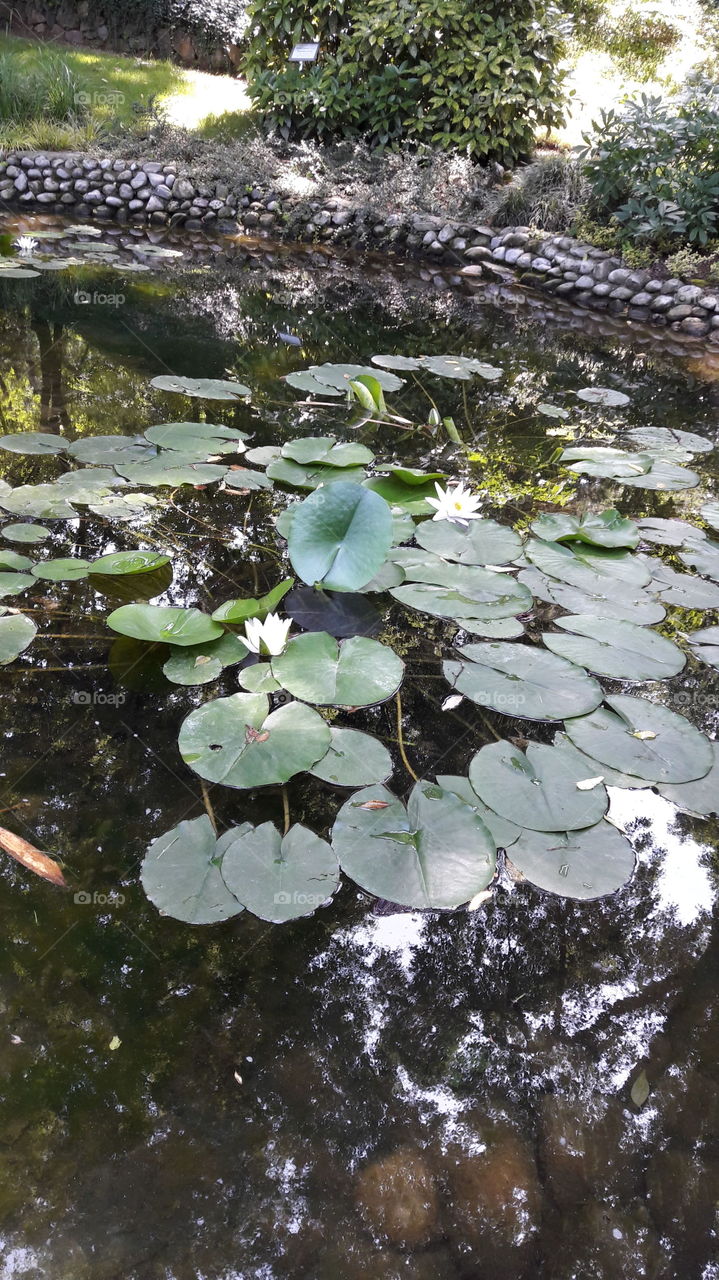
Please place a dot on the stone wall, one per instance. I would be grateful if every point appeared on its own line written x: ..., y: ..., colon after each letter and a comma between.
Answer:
x: 88, y: 23
x: 160, y: 195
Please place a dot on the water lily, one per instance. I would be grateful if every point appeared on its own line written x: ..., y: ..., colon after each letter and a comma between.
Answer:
x: 268, y: 637
x: 454, y: 503
x: 25, y: 244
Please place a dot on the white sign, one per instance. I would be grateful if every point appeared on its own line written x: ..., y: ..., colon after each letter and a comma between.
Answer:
x: 305, y: 52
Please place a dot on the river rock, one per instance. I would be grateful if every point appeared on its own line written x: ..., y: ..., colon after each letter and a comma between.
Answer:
x: 397, y: 1197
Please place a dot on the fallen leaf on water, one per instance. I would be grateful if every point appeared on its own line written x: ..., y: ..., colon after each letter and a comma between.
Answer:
x: 643, y: 734
x: 452, y: 701
x: 588, y: 784
x: 640, y: 1090
x: 252, y: 735
x: 375, y: 804
x: 478, y: 899
x: 238, y: 1077
x: 31, y: 858
x: 115, y: 1043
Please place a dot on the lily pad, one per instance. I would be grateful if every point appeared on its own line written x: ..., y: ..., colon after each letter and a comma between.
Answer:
x: 668, y: 533
x: 201, y: 663
x: 578, y: 864
x: 183, y: 436
x: 339, y: 537
x: 258, y: 678
x: 181, y: 875
x: 204, y: 388
x: 701, y: 797
x: 325, y: 451
x: 410, y: 498
x: 39, y: 501
x: 12, y: 584
x: 601, y: 529
x: 27, y: 533
x: 664, y: 477
x: 334, y: 379
x: 352, y: 673
x: 163, y: 624
x: 16, y: 633
x: 703, y: 556
x: 461, y: 367
x: 591, y: 569
x: 655, y: 438
x: 165, y: 471
x: 606, y: 462
x: 436, y: 853
x: 611, y: 647
x: 285, y: 471
x: 354, y: 759
x: 111, y: 451
x: 503, y: 833
x: 619, y: 735
x: 33, y: 442
x: 13, y: 560
x: 635, y: 606
x: 483, y: 542
x: 235, y: 741
x: 62, y: 570
x: 129, y: 562
x: 705, y: 644
x: 710, y: 513
x: 235, y: 612
x: 537, y: 788
x: 124, y: 506
x: 476, y: 595
x: 280, y: 878
x: 683, y: 589
x: 605, y: 396
x: 520, y: 680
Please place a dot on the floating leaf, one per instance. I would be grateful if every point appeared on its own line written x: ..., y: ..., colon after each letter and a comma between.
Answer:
x: 110, y: 451
x: 411, y: 475
x: 483, y: 542
x: 668, y: 533
x: 235, y: 612
x: 602, y: 529
x: 334, y: 379
x: 16, y: 633
x: 339, y: 537
x: 181, y: 875
x: 611, y: 647
x: 703, y: 556
x: 354, y: 759
x: 184, y: 436
x: 606, y: 462
x: 683, y: 589
x: 30, y: 533
x: 578, y: 864
x: 462, y: 367
x: 552, y: 410
x: 710, y: 513
x: 478, y: 596
x: 435, y: 853
x: 537, y: 789
x: 326, y: 452
x: 235, y: 741
x: 165, y: 471
x: 705, y: 644
x: 125, y: 506
x: 285, y: 471
x: 656, y: 438
x: 590, y: 569
x: 258, y: 678
x: 62, y: 570
x: 605, y: 396
x: 12, y: 584
x: 353, y: 673
x: 39, y: 501
x: 677, y: 753
x: 14, y: 561
x: 700, y: 797
x: 38, y: 442
x: 519, y: 680
x: 633, y: 606
x: 280, y: 878
x: 503, y: 832
x: 204, y: 388
x: 665, y: 477
x: 202, y: 663
x: 640, y: 1089
x: 163, y: 624
x: 411, y: 498
x: 129, y: 562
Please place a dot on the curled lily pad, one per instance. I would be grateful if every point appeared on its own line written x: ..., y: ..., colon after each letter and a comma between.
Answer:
x: 181, y: 875
x: 643, y: 738
x: 519, y: 680
x: 409, y: 497
x: 601, y: 529
x: 238, y: 611
x: 354, y: 759
x: 204, y: 388
x: 482, y: 542
x: 612, y: 647
x: 201, y: 663
x: 537, y: 788
x: 38, y: 442
x: 435, y: 853
x: 235, y: 741
x: 163, y: 624
x: 352, y: 673
x: 16, y: 633
x: 280, y: 878
x: 577, y: 864
x: 339, y: 537
x: 607, y: 397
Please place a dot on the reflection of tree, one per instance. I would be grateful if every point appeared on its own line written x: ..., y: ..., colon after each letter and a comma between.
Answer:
x: 53, y: 408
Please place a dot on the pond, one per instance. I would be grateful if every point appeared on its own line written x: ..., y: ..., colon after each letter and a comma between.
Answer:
x: 446, y: 1059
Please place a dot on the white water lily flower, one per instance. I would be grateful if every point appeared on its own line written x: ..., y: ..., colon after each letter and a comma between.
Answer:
x: 25, y: 244
x: 454, y: 503
x: 268, y: 637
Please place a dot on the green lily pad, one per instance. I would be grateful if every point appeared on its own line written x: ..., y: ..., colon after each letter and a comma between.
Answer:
x: 354, y: 759
x: 601, y: 529
x: 163, y: 471
x: 638, y: 606
x: 655, y: 438
x: 701, y: 797
x: 29, y: 533
x: 703, y: 556
x: 280, y: 878
x: 519, y: 680
x: 705, y: 644
x: 410, y: 498
x: 12, y: 584
x: 472, y: 595
x: 204, y: 388
x: 110, y: 451
x: 285, y: 471
x: 124, y: 506
x: 245, y: 480
x: 258, y: 678
x: 39, y: 501
x: 503, y: 833
x: 184, y: 436
x: 16, y: 633
x: 710, y: 513
x: 234, y: 740
x: 62, y: 570
x: 676, y: 751
x: 611, y: 647
x: 683, y: 589
x: 33, y: 442
x: 339, y: 537
x: 483, y: 542
x: 410, y: 475
x: 129, y: 562
x: 664, y: 477
x: 352, y: 673
x: 436, y: 853
x: 537, y: 789
x: 181, y: 875
x: 591, y: 569
x: 201, y: 663
x: 606, y: 462
x: 590, y: 768
x: 605, y: 396
x: 325, y: 451
x: 576, y: 864
x: 668, y: 533
x: 334, y: 379
x: 552, y: 410
x: 13, y: 560
x: 461, y: 367
x: 163, y: 624
x: 238, y: 611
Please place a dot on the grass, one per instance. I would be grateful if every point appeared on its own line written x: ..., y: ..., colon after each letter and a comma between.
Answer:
x: 57, y: 97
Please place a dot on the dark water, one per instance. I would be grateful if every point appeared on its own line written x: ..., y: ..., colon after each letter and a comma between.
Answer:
x: 366, y: 1092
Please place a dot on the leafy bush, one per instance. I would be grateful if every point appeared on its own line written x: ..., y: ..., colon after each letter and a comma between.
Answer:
x: 639, y: 41
x: 654, y: 166
x: 545, y: 194
x: 446, y: 73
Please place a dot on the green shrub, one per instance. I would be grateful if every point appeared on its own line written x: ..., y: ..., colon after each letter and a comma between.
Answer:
x: 446, y: 73
x: 654, y: 166
x: 546, y: 194
x: 38, y: 83
x: 685, y: 262
x: 639, y: 41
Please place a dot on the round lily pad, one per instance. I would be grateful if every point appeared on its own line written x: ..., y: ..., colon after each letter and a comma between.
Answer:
x: 705, y: 644
x: 38, y: 442
x: 325, y: 451
x: 636, y: 605
x: 129, y: 562
x: 235, y: 741
x: 503, y: 832
x: 668, y: 533
x: 477, y: 595
x: 611, y: 647
x: 16, y: 633
x: 520, y: 680
x: 607, y: 397
x: 201, y: 663
x: 181, y: 875
x: 601, y: 529
x: 353, y: 673
x: 39, y: 501
x: 204, y: 388
x: 354, y: 759
x: 701, y: 797
x: 280, y: 878
x: 435, y: 853
x: 163, y: 624
x: 109, y: 451
x: 62, y: 570
x: 339, y: 537
x: 12, y: 584
x: 537, y: 788
x: 577, y: 864
x: 165, y: 471
x: 182, y: 437
x: 643, y: 738
x: 312, y: 475
x: 482, y: 542
x: 30, y: 533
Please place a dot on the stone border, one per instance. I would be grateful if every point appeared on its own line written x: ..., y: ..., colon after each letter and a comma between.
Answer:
x: 158, y: 195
